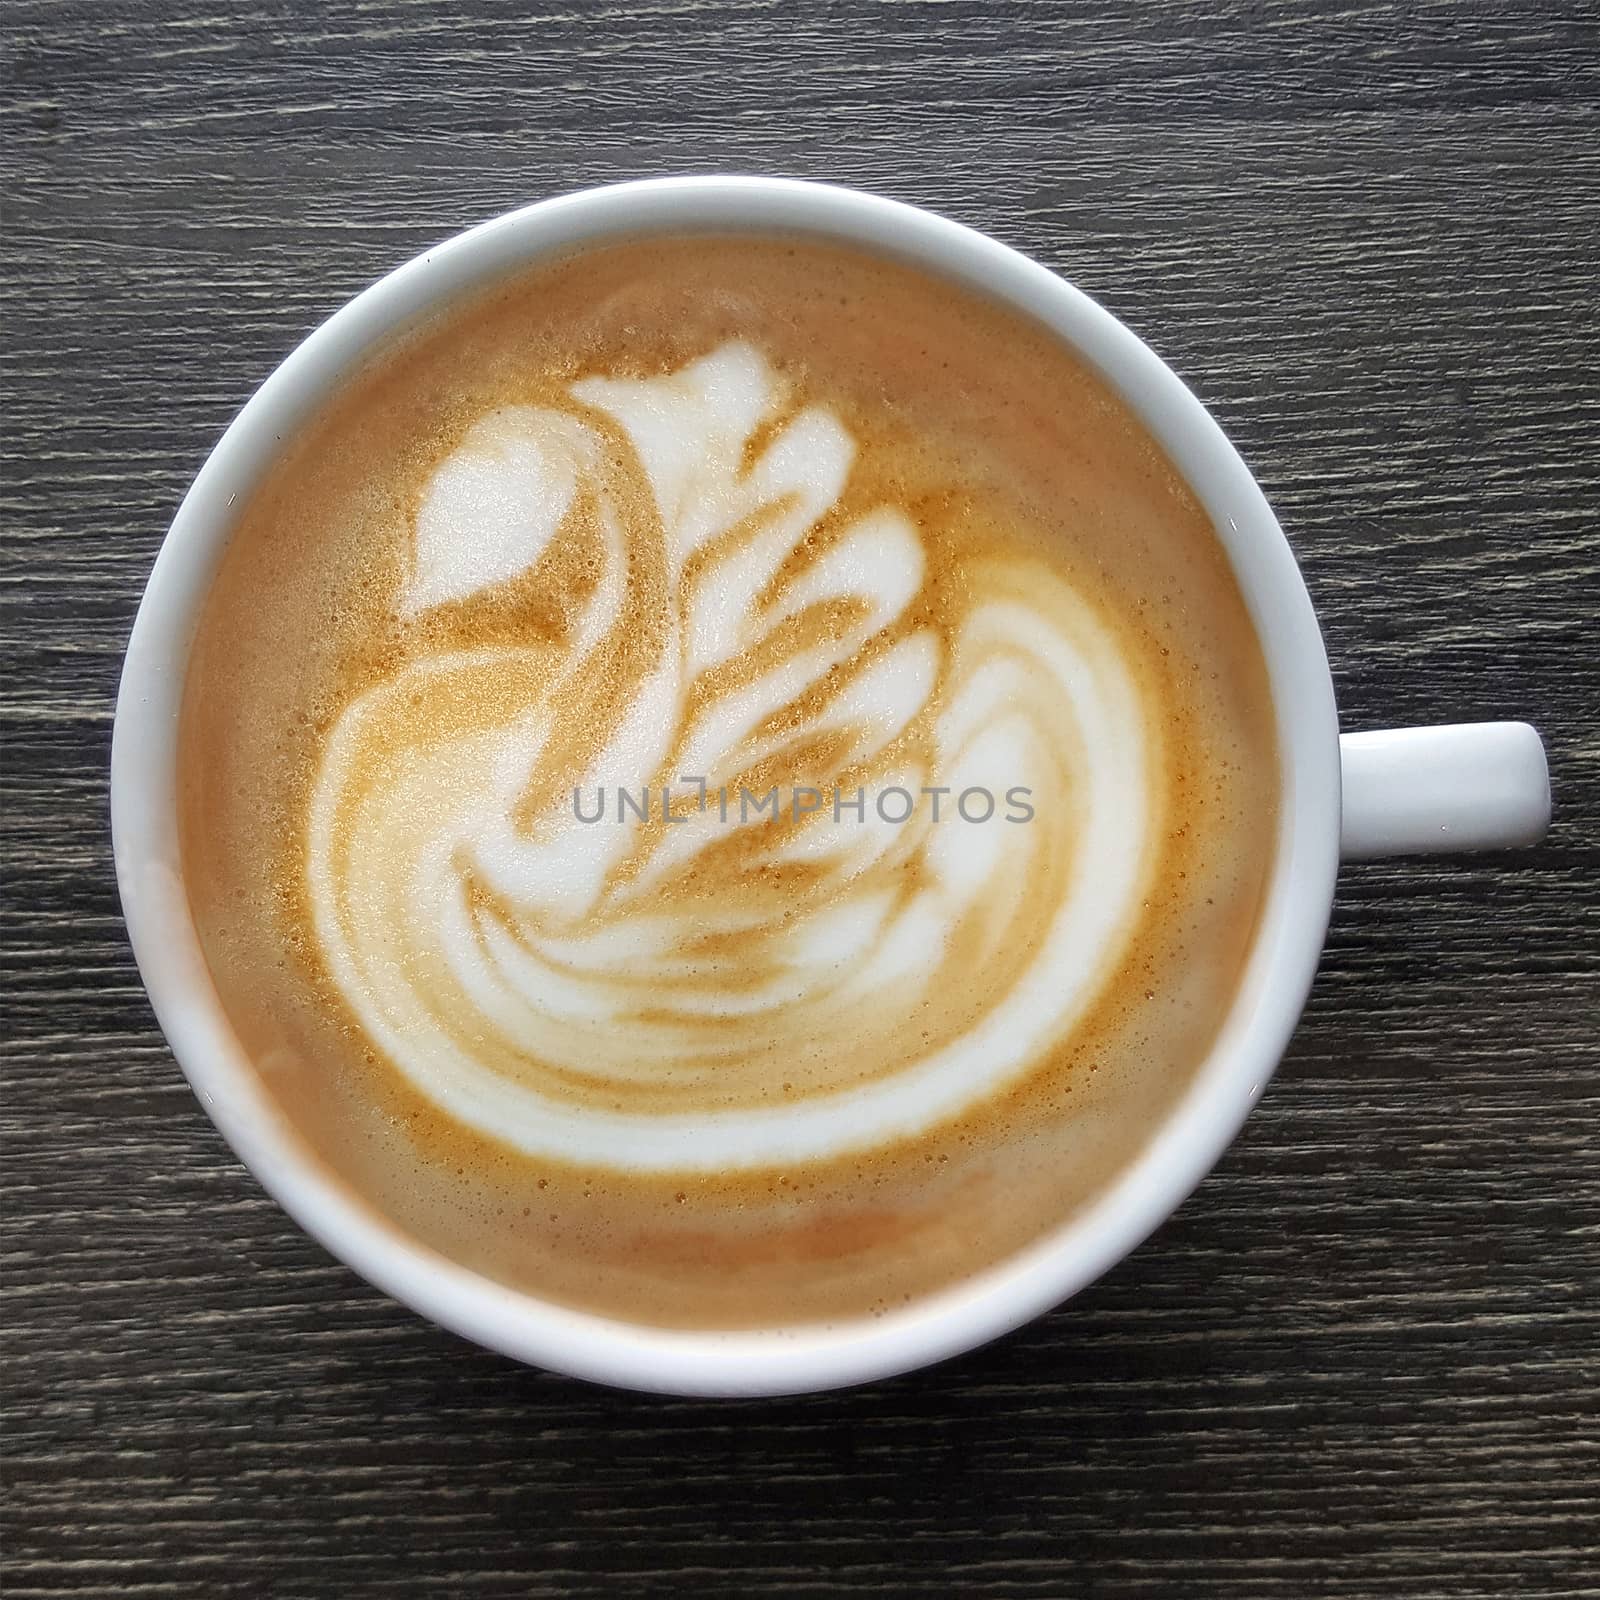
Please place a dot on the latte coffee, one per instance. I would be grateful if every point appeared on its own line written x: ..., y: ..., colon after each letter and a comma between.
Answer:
x: 725, y: 781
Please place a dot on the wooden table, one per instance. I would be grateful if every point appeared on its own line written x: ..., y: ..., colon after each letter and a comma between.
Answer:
x: 1361, y: 1360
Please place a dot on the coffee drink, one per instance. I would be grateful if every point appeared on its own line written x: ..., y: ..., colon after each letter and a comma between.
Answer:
x: 725, y: 781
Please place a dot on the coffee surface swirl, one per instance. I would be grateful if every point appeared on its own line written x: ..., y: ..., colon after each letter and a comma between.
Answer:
x: 725, y: 781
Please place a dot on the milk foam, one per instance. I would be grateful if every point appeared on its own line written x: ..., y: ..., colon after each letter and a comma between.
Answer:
x: 715, y: 994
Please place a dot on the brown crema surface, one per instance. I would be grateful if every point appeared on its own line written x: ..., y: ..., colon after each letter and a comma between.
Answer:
x: 996, y: 443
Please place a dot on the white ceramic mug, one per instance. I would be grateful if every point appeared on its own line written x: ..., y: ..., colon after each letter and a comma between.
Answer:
x: 1376, y: 793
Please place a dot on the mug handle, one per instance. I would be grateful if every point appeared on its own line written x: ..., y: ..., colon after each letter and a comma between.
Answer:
x: 1466, y: 786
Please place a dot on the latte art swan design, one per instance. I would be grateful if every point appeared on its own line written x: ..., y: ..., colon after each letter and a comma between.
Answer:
x: 704, y: 993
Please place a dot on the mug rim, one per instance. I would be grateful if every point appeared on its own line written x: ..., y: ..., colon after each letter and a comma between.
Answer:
x: 1182, y: 1148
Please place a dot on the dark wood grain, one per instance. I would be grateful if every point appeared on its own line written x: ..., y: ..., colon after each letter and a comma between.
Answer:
x: 1361, y: 1361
